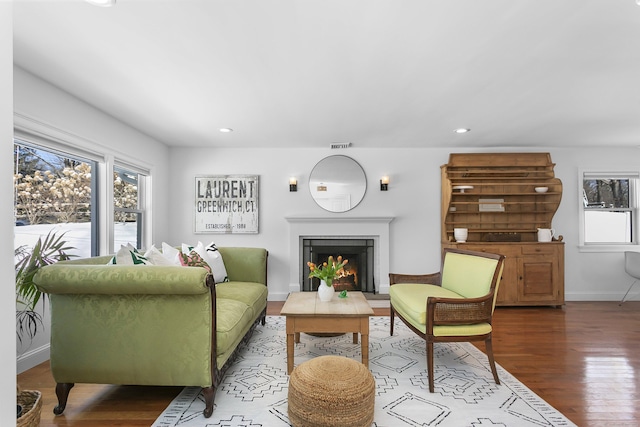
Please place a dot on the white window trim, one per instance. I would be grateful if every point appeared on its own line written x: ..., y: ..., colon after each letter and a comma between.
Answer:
x: 607, y: 247
x: 144, y: 199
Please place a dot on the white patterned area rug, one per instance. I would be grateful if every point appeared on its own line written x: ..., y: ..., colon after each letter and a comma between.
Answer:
x: 254, y: 390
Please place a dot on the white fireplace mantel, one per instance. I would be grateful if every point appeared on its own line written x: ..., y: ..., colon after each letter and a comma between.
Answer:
x: 372, y: 227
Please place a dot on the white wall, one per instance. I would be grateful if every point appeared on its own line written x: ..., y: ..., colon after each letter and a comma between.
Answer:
x: 48, y: 110
x: 413, y: 198
x: 590, y: 276
x: 51, y: 110
x: 7, y: 293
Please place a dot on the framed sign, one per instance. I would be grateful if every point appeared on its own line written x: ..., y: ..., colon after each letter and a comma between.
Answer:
x: 226, y: 204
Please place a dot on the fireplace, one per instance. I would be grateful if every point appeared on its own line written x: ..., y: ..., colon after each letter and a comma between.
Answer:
x: 358, y: 273
x: 336, y: 228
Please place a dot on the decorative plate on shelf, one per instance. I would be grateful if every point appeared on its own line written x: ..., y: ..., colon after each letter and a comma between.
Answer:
x: 463, y: 187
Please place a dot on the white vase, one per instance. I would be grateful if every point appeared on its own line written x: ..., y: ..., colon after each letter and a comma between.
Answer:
x: 325, y: 293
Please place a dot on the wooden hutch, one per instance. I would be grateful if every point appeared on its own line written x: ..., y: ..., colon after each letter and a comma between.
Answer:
x: 493, y: 196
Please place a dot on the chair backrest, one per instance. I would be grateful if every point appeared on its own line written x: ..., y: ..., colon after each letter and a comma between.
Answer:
x: 470, y: 274
x: 632, y: 264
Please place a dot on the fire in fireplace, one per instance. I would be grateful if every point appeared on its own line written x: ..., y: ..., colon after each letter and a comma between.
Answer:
x: 348, y: 280
x: 358, y: 274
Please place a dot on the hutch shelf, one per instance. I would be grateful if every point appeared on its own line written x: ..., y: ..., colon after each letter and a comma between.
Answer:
x: 498, y: 198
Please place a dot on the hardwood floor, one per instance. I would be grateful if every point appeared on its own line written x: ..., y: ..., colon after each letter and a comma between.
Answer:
x: 583, y: 359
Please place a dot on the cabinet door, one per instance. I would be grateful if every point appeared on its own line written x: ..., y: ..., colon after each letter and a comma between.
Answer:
x: 538, y: 278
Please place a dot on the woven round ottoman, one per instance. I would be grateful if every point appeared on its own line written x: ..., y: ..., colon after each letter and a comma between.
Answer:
x: 331, y: 391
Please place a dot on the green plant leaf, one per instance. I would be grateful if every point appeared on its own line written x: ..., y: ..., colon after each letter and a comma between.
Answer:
x: 44, y: 252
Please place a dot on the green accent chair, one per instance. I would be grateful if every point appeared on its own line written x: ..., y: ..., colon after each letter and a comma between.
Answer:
x: 455, y: 304
x: 151, y: 324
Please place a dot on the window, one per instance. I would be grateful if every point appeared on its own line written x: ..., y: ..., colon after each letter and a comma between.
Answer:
x: 53, y: 191
x: 98, y: 201
x: 128, y: 203
x: 609, y: 208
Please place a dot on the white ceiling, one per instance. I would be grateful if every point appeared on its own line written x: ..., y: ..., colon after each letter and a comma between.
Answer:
x: 376, y: 73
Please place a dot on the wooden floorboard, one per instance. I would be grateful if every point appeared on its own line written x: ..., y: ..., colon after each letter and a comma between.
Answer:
x: 583, y: 359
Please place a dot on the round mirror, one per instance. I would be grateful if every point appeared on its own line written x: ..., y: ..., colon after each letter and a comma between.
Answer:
x: 337, y: 183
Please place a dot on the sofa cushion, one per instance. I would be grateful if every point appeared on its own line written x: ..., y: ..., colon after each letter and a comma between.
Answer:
x: 232, y: 318
x: 252, y: 294
x: 461, y: 330
x: 245, y: 264
x: 410, y: 300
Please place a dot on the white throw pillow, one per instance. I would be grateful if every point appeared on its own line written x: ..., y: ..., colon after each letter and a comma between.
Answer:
x: 155, y: 257
x: 171, y: 253
x: 129, y: 255
x: 212, y: 256
x: 187, y: 248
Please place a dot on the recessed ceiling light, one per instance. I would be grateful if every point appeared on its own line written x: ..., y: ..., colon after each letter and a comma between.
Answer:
x: 225, y: 130
x: 102, y: 3
x: 462, y: 130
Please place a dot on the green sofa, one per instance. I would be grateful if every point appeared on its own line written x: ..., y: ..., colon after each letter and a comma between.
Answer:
x: 151, y: 324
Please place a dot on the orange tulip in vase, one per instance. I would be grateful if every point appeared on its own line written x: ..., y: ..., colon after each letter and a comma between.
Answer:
x: 327, y: 273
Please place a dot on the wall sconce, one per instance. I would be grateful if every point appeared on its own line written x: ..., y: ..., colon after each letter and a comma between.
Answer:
x: 293, y: 184
x: 384, y: 183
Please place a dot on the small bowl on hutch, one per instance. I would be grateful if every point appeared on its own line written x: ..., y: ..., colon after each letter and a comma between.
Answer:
x: 541, y: 189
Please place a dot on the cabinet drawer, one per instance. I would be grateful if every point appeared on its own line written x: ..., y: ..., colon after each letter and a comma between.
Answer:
x: 539, y: 249
x: 506, y: 250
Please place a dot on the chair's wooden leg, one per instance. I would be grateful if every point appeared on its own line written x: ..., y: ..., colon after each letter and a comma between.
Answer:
x: 430, y: 364
x: 489, y: 347
x: 209, y: 393
x: 392, y: 318
x: 62, y: 392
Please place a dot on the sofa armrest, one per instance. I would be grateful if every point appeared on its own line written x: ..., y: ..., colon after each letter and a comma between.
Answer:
x: 245, y: 264
x: 74, y: 278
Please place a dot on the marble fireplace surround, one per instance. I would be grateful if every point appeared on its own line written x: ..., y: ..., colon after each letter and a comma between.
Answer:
x: 370, y: 227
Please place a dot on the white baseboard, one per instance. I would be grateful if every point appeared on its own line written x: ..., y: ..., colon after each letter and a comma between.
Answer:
x: 279, y: 296
x: 634, y: 295
x: 293, y: 287
x: 384, y: 289
x: 33, y: 358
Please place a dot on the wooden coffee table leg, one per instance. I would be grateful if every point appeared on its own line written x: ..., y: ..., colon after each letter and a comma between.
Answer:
x: 355, y: 338
x: 364, y: 338
x: 365, y: 350
x: 290, y: 353
x: 291, y: 337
